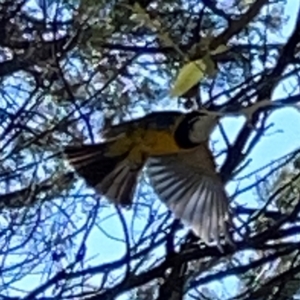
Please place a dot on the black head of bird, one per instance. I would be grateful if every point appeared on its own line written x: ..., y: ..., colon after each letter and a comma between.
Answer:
x: 194, y: 128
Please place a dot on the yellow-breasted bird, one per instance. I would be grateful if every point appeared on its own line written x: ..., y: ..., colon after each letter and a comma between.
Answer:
x: 174, y: 147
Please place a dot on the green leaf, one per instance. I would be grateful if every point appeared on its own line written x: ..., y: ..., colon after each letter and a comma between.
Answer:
x: 190, y: 74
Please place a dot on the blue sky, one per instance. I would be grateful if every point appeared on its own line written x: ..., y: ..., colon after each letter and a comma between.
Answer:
x: 271, y: 147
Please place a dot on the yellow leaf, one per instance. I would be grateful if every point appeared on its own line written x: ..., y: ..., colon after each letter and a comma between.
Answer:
x: 220, y: 49
x: 247, y: 2
x: 190, y: 74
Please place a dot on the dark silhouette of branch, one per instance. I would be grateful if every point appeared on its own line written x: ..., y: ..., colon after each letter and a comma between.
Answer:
x: 266, y: 86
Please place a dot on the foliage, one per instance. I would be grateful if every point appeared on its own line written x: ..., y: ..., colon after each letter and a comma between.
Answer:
x: 72, y: 68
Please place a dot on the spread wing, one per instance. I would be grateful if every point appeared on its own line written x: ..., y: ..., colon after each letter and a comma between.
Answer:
x: 112, y: 176
x: 193, y: 191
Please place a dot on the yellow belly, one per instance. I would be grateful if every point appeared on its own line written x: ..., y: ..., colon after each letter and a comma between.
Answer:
x: 143, y: 143
x: 157, y: 142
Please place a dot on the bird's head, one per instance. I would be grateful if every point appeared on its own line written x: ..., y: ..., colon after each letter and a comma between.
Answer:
x: 195, y: 128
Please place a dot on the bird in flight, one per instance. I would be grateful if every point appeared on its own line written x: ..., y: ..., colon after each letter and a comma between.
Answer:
x: 174, y: 148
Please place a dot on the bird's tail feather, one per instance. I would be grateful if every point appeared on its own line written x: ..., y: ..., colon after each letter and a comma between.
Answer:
x: 111, y: 176
x: 197, y: 199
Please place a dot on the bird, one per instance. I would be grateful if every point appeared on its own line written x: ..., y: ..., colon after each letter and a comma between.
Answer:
x: 174, y: 148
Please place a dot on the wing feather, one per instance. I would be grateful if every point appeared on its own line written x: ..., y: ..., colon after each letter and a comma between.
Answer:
x: 194, y: 195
